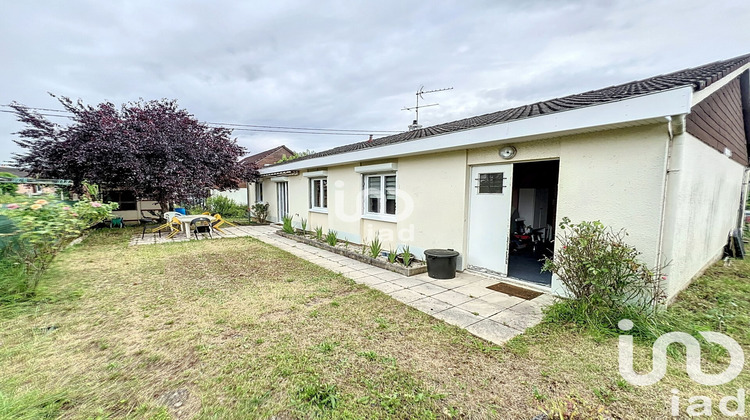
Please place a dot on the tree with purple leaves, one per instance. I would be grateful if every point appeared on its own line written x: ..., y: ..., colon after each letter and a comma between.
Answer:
x: 153, y: 148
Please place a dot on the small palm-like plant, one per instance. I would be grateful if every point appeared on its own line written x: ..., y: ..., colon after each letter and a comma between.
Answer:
x: 287, y: 224
x: 392, y: 256
x: 319, y: 233
x: 375, y: 247
x: 303, y: 222
x: 407, y: 256
x: 332, y: 238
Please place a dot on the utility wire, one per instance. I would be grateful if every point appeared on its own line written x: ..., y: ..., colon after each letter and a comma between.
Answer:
x: 252, y: 127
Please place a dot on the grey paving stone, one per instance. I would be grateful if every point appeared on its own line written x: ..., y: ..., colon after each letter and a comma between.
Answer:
x: 501, y: 300
x: 474, y: 290
x: 407, y: 282
x: 453, y: 297
x: 516, y: 320
x: 428, y: 289
x: 483, y: 309
x: 492, y: 331
x: 406, y: 295
x: 458, y: 317
x: 387, y: 287
x: 430, y: 305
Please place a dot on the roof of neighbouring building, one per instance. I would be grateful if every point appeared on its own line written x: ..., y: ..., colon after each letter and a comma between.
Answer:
x: 697, y: 77
x: 15, y: 171
x: 262, y: 158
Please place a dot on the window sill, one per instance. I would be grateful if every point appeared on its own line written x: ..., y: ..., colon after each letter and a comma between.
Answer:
x: 380, y: 218
x: 318, y: 210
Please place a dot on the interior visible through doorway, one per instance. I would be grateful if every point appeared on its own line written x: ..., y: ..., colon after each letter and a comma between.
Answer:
x: 532, y: 225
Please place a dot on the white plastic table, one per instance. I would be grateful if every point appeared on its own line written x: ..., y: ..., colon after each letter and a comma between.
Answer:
x: 186, y: 220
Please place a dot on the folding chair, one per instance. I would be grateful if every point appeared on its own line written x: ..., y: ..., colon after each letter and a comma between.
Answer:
x: 219, y: 222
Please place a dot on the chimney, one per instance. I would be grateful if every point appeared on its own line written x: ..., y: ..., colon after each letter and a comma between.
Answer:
x: 370, y: 139
x: 414, y: 126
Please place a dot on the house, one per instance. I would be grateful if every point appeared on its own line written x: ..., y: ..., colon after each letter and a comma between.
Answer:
x: 664, y: 158
x: 259, y: 160
x: 31, y: 189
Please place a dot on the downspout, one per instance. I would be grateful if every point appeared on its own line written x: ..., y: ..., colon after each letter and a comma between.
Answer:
x: 671, y: 132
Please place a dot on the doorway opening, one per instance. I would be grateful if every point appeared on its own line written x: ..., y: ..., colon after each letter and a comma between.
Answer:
x: 532, y: 224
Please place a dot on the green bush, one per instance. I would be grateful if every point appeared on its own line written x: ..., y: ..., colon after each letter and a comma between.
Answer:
x: 7, y: 188
x: 40, y: 229
x: 602, y: 273
x: 225, y: 206
x: 260, y: 211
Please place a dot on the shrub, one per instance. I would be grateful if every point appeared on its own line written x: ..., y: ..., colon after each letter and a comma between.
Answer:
x: 260, y: 211
x: 224, y: 206
x: 7, y: 188
x: 40, y: 229
x: 287, y: 224
x: 597, y: 267
x: 319, y: 233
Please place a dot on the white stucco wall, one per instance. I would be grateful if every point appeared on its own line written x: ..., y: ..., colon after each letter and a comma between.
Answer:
x: 703, y: 200
x: 239, y: 195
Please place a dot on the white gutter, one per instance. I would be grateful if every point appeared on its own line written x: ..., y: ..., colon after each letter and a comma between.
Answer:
x: 653, y: 106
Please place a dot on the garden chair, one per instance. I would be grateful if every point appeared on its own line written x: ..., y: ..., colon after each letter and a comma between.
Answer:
x: 116, y: 222
x: 148, y: 218
x: 176, y: 227
x: 219, y: 222
x: 170, y: 223
x: 201, y: 225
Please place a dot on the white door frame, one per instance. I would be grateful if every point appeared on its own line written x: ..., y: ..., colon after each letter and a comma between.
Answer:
x: 282, y: 199
x: 489, y: 214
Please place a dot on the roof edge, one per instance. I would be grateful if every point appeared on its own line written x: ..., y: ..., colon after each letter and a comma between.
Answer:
x: 666, y: 103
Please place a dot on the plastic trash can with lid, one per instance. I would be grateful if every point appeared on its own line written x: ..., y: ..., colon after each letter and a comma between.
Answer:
x: 441, y: 263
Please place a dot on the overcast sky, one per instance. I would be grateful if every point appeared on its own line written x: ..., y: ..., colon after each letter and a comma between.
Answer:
x: 346, y: 65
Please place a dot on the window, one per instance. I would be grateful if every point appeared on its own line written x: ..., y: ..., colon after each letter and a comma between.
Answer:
x: 125, y: 199
x: 259, y: 192
x: 491, y: 183
x: 380, y: 194
x: 319, y: 193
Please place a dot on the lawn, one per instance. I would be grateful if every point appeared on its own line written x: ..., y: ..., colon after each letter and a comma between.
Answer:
x: 235, y: 328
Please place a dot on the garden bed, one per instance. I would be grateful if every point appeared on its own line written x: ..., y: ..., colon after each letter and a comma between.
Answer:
x: 415, y: 267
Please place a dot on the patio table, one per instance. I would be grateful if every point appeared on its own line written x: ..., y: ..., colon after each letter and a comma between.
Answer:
x: 187, y: 219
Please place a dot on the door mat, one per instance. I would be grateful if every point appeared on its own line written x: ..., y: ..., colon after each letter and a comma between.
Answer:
x: 514, y: 291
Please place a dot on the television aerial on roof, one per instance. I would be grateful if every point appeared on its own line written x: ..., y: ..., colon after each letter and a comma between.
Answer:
x: 415, y: 125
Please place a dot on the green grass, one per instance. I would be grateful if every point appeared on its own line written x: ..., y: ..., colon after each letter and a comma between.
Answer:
x: 238, y: 329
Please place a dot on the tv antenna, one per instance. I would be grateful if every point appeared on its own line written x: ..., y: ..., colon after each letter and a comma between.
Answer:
x: 415, y: 125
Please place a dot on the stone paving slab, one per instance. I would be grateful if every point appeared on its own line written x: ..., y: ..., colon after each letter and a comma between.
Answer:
x: 463, y: 301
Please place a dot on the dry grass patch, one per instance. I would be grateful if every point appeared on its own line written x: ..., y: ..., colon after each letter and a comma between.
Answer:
x: 239, y: 329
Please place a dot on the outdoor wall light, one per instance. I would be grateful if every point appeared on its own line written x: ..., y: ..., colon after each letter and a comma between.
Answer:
x: 507, y: 152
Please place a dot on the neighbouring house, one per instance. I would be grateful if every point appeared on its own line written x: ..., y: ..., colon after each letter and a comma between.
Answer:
x: 665, y: 158
x: 242, y: 194
x: 28, y: 189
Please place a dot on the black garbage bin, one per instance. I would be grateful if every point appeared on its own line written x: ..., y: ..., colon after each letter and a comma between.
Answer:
x: 441, y: 263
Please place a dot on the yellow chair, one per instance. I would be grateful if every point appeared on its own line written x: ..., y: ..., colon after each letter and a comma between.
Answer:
x: 176, y: 227
x: 171, y: 224
x: 207, y: 213
x: 219, y: 222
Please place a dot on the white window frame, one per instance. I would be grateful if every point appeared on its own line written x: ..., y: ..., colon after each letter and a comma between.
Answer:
x: 323, y: 195
x: 259, y: 192
x: 381, y: 214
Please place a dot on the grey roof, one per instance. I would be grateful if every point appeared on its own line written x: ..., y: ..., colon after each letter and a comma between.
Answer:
x: 13, y: 170
x: 697, y: 77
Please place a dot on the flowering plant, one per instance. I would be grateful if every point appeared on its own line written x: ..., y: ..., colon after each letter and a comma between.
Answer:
x: 41, y: 228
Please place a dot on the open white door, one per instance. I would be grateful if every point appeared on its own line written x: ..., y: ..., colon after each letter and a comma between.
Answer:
x: 282, y: 199
x: 489, y: 216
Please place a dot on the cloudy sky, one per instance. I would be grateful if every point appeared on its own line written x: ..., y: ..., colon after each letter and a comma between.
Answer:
x: 343, y: 64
